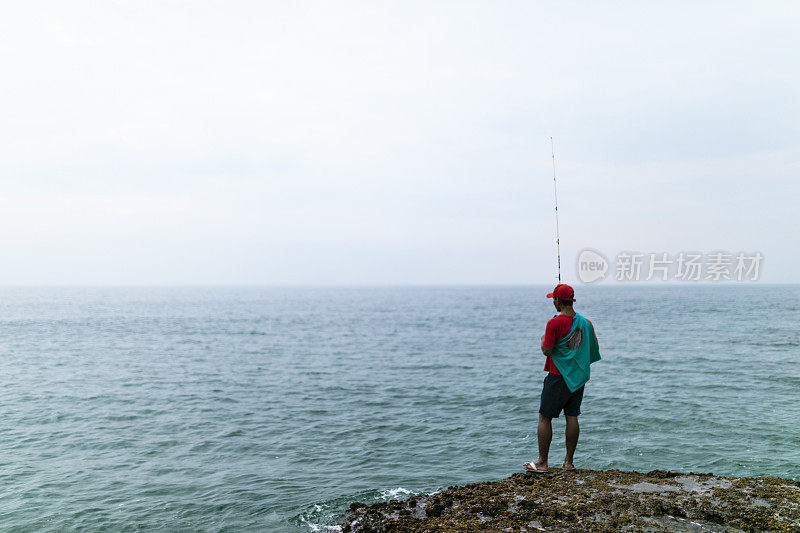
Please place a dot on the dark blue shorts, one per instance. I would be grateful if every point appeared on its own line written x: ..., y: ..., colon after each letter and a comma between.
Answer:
x: 556, y: 396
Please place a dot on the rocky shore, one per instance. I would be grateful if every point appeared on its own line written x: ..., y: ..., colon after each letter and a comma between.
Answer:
x: 591, y: 500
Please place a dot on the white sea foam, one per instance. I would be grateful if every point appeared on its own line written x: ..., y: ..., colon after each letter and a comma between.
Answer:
x: 319, y: 513
x: 316, y: 528
x: 392, y: 494
x: 320, y: 527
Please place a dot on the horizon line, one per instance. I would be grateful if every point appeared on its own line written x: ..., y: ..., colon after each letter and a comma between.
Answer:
x: 386, y: 285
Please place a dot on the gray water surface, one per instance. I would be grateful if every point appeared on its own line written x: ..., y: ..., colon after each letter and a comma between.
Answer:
x: 267, y: 409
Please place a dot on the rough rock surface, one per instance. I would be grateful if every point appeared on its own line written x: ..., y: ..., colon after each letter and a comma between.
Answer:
x: 591, y: 500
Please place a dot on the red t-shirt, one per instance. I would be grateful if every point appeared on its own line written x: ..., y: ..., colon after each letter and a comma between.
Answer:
x: 557, y: 328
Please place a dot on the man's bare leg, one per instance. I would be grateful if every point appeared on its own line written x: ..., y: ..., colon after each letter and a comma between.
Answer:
x: 545, y: 434
x: 572, y: 433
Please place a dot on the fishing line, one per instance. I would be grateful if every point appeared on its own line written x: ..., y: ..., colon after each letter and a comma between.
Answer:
x: 555, y: 194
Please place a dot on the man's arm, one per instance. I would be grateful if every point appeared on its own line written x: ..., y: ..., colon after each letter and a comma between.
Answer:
x: 549, y: 338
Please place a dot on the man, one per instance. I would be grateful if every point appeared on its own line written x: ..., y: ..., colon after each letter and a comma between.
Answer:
x: 571, y: 346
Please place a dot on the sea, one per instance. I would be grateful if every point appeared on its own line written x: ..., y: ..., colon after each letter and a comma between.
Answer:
x: 272, y: 409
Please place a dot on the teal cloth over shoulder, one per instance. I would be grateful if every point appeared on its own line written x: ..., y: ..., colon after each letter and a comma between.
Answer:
x: 573, y: 354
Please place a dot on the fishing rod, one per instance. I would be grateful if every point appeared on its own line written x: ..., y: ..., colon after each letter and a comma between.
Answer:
x: 555, y: 194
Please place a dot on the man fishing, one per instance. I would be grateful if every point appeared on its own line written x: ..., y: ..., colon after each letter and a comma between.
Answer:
x: 571, y: 347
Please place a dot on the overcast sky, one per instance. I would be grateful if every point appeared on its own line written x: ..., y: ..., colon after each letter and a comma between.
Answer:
x: 391, y: 142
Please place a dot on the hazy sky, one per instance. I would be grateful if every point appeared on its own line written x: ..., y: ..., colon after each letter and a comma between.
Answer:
x: 391, y: 142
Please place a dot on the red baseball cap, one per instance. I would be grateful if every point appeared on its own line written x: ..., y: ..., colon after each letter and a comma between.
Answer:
x: 563, y: 292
